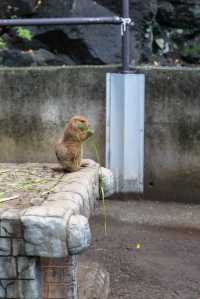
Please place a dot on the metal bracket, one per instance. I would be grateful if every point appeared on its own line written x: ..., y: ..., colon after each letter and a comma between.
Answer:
x: 125, y: 23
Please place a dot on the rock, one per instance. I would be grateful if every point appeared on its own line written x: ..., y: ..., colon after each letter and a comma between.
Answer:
x: 8, y: 268
x: 19, y: 8
x: 177, y: 22
x: 101, y: 44
x: 5, y: 247
x: 191, y: 50
x: 179, y: 13
x: 160, y: 42
x: 45, y: 236
x: 166, y: 12
x: 79, y: 234
x: 90, y: 44
x: 83, y: 44
x: 26, y: 268
x: 108, y: 181
x: 41, y: 57
x: 29, y: 289
x: 93, y: 281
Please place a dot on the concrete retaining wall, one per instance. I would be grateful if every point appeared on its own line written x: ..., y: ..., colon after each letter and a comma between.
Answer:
x: 35, y: 104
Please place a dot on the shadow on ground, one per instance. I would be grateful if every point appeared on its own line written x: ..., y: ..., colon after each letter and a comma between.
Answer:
x: 167, y: 266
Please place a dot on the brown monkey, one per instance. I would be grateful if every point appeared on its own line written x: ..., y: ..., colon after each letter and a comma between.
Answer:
x: 69, y: 148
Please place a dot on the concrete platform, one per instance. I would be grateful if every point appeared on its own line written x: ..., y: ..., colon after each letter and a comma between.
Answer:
x: 161, y: 214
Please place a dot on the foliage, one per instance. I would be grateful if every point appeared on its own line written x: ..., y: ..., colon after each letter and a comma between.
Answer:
x: 193, y: 50
x: 24, y: 33
x: 2, y: 43
x: 101, y: 183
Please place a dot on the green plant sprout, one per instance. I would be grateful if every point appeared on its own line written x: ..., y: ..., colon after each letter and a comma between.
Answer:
x: 101, y: 183
x: 2, y: 43
x: 24, y: 33
x: 85, y: 129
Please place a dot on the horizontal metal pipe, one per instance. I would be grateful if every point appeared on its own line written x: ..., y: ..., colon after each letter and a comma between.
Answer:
x: 60, y: 21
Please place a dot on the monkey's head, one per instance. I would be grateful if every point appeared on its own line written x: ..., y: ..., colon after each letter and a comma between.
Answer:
x: 78, y: 129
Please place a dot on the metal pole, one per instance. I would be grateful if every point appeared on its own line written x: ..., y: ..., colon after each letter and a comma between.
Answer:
x: 125, y: 38
x: 61, y: 21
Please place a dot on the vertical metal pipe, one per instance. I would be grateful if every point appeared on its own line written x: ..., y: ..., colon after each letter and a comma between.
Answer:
x: 126, y: 38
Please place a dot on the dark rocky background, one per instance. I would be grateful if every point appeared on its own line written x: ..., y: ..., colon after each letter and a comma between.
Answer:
x: 166, y: 32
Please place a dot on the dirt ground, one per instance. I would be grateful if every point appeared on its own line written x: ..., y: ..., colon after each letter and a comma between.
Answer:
x: 147, y: 262
x: 28, y: 184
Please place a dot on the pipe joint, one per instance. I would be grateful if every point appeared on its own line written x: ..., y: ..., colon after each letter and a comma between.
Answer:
x: 125, y: 22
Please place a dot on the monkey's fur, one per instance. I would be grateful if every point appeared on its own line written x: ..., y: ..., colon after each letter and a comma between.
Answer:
x: 69, y: 148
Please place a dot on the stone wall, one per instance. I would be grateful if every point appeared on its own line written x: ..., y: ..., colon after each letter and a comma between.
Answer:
x: 18, y: 273
x: 35, y: 104
x: 39, y: 244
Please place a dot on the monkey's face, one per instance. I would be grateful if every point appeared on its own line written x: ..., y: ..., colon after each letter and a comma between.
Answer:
x: 79, y: 128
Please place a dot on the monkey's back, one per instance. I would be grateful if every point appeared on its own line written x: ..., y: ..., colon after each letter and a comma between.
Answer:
x: 69, y: 154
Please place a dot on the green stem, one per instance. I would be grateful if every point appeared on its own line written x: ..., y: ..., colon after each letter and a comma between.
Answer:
x: 101, y: 187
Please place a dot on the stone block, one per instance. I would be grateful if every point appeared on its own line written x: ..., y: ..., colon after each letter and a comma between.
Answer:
x: 65, y: 204
x: 10, y: 288
x: 8, y: 268
x: 29, y: 289
x: 26, y: 268
x: 10, y: 228
x: 108, y: 181
x: 18, y: 247
x: 45, y: 236
x: 46, y: 211
x: 2, y: 292
x: 5, y: 246
x: 79, y: 234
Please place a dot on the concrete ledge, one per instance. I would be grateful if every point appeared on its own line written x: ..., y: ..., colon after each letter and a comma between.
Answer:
x: 44, y: 228
x: 59, y: 226
x: 56, y: 223
x: 169, y: 215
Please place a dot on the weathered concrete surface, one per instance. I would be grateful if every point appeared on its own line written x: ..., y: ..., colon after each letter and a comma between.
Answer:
x: 172, y: 134
x: 156, y: 214
x: 36, y: 102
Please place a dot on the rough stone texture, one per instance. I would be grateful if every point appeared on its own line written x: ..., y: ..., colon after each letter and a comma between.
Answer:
x: 177, y: 28
x: 78, y: 44
x: 34, y: 113
x: 79, y: 235
x: 93, y: 281
x: 5, y: 246
x: 45, y: 236
x: 26, y: 268
x: 56, y: 229
x: 29, y: 289
x: 40, y: 57
x: 108, y: 181
x: 51, y: 230
x: 7, y: 268
x: 168, y: 29
x: 19, y: 8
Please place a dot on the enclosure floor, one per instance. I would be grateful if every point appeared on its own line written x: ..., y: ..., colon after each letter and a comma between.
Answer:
x: 166, y: 264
